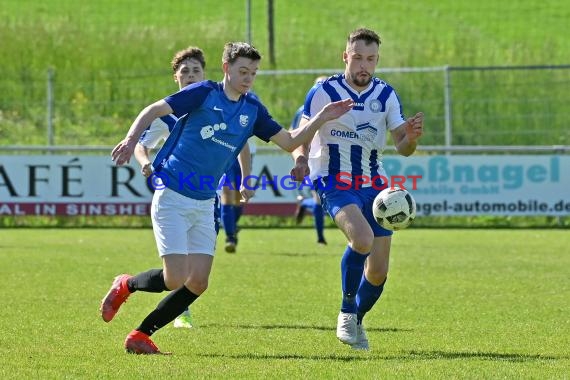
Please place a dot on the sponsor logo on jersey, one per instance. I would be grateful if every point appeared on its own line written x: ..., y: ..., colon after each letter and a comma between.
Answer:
x: 365, y: 126
x: 344, y: 134
x: 208, y: 132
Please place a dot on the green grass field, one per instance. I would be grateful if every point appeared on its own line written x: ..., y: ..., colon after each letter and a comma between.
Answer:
x: 458, y: 304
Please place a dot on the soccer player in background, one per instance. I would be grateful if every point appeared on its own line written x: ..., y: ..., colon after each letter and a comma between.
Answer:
x: 353, y: 144
x: 310, y: 201
x: 216, y: 119
x: 232, y: 204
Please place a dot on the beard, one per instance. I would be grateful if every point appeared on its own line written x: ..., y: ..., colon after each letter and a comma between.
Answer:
x: 361, y: 81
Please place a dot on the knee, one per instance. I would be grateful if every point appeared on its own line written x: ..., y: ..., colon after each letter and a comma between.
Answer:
x: 197, y: 285
x: 376, y: 278
x: 362, y: 243
x: 173, y: 282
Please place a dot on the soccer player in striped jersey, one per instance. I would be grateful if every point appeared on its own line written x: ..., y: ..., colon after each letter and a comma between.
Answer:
x: 349, y: 150
x: 216, y: 119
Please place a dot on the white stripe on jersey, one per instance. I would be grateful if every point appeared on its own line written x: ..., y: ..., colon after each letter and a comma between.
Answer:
x: 354, y: 142
x: 157, y: 132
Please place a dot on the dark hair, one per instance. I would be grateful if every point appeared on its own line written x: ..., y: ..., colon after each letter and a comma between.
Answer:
x: 234, y: 50
x: 190, y: 52
x: 367, y: 35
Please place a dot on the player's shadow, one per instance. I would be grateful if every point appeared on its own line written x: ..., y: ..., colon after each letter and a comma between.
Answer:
x: 304, y: 254
x: 296, y: 327
x: 494, y: 356
x: 410, y: 356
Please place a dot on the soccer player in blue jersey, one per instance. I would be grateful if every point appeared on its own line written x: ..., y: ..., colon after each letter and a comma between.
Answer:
x: 216, y: 119
x: 311, y: 200
x: 188, y: 67
x: 232, y: 204
x: 350, y: 149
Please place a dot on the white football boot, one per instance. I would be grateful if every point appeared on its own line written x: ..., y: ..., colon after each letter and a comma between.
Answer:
x: 362, y: 341
x: 346, y: 330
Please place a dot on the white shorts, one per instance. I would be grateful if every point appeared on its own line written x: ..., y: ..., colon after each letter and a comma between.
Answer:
x: 182, y: 225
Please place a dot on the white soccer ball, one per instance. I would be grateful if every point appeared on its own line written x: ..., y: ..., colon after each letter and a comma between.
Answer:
x: 394, y: 208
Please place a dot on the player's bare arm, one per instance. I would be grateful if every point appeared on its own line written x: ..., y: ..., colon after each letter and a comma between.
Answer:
x: 407, y: 134
x: 122, y: 153
x: 244, y: 158
x: 301, y: 168
x: 142, y: 157
x: 290, y: 140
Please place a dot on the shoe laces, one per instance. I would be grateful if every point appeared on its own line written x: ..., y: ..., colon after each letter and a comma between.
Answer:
x: 347, y: 319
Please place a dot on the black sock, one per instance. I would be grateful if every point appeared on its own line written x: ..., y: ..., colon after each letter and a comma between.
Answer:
x: 167, y: 310
x: 150, y: 281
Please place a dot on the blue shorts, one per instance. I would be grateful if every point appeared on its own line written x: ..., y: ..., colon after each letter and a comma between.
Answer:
x: 333, y: 199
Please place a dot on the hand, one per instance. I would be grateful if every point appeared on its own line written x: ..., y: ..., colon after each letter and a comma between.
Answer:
x: 146, y: 169
x: 246, y: 193
x: 334, y: 110
x: 122, y: 153
x: 300, y: 170
x: 415, y: 127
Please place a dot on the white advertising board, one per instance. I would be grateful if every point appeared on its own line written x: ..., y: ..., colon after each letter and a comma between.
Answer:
x: 441, y: 185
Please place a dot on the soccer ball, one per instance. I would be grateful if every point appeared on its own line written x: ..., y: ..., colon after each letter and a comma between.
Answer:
x: 394, y: 208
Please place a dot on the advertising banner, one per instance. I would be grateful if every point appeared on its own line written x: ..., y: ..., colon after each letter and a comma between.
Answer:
x: 440, y: 184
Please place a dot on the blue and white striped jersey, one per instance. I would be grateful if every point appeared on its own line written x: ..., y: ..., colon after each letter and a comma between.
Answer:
x: 297, y: 118
x: 207, y: 138
x: 354, y: 142
x: 158, y: 130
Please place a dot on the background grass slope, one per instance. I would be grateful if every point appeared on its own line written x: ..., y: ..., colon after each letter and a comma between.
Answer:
x: 112, y: 58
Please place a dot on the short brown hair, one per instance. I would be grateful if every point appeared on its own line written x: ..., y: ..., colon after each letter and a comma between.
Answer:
x: 234, y: 50
x: 367, y: 35
x: 190, y: 52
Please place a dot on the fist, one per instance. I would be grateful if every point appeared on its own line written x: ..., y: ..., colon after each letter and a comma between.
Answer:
x: 300, y: 171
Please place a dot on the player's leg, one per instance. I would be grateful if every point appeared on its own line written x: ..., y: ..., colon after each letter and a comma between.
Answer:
x: 374, y: 277
x: 200, y: 238
x: 318, y: 218
x: 238, y: 208
x: 185, y: 319
x: 229, y: 218
x: 176, y: 271
x: 229, y: 197
x: 300, y: 209
x: 172, y: 305
x: 344, y: 207
x: 360, y: 238
x: 154, y: 280
x: 376, y: 269
x: 371, y: 285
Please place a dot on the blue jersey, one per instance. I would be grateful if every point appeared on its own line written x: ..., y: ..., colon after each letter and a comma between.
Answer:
x: 207, y: 138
